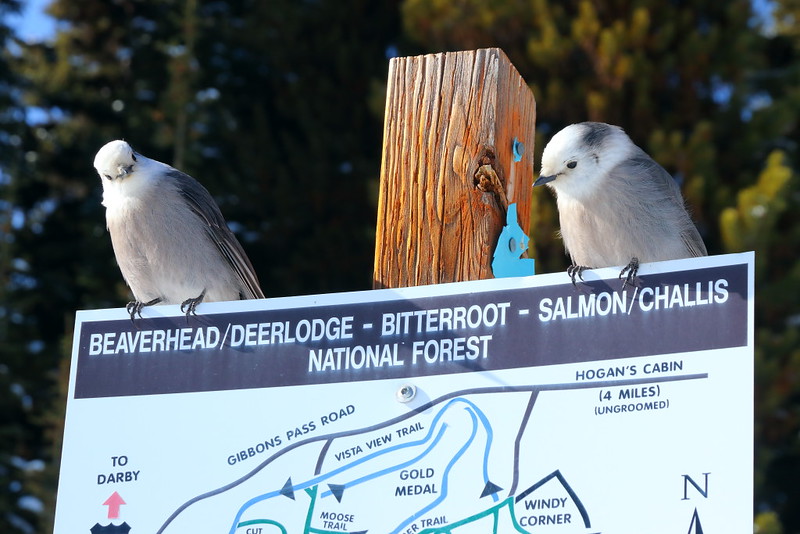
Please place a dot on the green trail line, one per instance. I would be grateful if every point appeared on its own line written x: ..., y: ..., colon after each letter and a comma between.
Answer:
x: 312, y: 492
x: 494, y: 510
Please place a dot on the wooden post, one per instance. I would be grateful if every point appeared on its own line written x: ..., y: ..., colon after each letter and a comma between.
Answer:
x: 448, y: 170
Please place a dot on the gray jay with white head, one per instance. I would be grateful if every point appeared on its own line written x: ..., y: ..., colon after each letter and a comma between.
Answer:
x: 170, y: 239
x: 616, y: 205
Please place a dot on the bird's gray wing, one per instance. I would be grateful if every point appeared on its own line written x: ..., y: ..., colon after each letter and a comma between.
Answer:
x: 694, y: 243
x: 201, y: 203
x: 667, y: 197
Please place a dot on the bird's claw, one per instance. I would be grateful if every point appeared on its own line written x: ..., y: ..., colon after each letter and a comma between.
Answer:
x: 134, y: 308
x: 629, y: 272
x: 576, y: 272
x: 189, y: 306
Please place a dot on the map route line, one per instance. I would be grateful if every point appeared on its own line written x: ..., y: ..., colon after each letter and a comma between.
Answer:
x: 494, y: 511
x: 518, y: 440
x: 315, y: 481
x: 445, y: 487
x: 393, y: 448
x: 419, y: 410
x: 480, y: 415
x: 488, y: 446
x: 574, y: 496
x: 376, y: 474
x: 436, y: 439
x: 475, y: 413
x: 264, y: 522
x: 312, y: 492
x: 322, y: 455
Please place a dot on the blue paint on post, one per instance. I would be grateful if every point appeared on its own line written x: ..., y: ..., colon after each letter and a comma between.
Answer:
x: 518, y: 149
x: 513, y: 242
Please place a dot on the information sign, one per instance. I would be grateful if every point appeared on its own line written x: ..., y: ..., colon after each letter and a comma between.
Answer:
x: 498, y: 406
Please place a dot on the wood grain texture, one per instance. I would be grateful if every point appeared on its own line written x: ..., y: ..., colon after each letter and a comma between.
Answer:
x: 450, y: 122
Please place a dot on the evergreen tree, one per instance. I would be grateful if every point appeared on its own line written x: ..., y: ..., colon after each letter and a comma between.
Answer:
x: 766, y: 218
x: 23, y: 378
x: 264, y: 103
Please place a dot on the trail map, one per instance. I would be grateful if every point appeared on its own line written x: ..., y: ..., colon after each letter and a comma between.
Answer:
x: 512, y: 405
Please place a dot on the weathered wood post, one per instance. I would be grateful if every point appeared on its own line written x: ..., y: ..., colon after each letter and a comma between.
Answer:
x: 449, y: 169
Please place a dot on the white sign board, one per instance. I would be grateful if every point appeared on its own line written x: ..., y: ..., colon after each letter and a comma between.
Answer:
x: 511, y: 405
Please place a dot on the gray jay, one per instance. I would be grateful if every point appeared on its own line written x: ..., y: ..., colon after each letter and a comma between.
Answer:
x: 170, y: 239
x: 616, y: 205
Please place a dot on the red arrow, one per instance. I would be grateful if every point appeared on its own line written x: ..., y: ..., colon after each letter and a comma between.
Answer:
x: 113, y: 504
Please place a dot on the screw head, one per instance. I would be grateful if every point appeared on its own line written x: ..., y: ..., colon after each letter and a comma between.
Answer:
x: 406, y: 393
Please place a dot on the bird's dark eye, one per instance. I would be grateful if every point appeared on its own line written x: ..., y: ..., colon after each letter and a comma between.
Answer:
x: 572, y: 164
x: 133, y: 156
x: 107, y: 177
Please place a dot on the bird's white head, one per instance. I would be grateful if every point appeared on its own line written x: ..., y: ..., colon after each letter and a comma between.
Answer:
x: 126, y: 174
x: 577, y: 158
x: 116, y: 160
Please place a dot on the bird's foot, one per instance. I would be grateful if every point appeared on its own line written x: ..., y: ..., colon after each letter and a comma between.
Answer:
x: 575, y: 273
x: 629, y: 272
x: 189, y: 306
x: 134, y: 308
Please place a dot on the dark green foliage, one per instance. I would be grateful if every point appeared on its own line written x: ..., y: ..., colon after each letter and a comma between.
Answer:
x: 262, y: 102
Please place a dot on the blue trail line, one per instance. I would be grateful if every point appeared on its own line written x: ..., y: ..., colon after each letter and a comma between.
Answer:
x: 314, y: 481
x: 443, y: 494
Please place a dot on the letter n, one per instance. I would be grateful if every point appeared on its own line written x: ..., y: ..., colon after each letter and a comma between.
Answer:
x: 689, y: 480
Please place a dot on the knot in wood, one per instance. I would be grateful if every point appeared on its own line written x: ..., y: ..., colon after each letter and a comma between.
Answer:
x: 486, y: 180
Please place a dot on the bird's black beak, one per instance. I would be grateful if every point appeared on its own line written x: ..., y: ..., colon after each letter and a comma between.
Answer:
x: 541, y: 180
x: 124, y: 171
